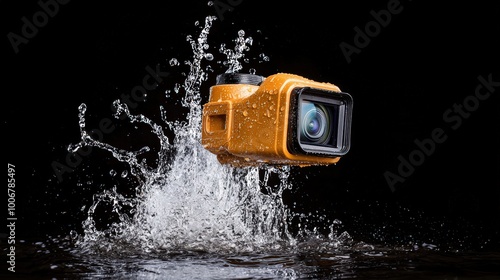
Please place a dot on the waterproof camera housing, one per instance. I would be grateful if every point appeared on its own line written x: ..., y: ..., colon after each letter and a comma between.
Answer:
x: 283, y: 119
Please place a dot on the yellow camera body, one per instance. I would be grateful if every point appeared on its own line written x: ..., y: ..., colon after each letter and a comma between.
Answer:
x: 279, y: 120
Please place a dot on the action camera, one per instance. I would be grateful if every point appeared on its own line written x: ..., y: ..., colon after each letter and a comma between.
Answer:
x: 282, y: 119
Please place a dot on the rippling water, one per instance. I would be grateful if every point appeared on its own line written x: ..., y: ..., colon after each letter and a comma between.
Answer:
x: 59, y: 258
x: 191, y: 218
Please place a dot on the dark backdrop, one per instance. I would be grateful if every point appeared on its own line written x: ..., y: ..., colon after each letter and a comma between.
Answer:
x: 416, y: 63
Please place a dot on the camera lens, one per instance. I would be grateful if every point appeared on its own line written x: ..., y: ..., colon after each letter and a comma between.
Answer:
x: 319, y: 122
x: 315, y: 123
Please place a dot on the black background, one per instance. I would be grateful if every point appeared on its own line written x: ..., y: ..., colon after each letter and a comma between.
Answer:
x: 427, y: 59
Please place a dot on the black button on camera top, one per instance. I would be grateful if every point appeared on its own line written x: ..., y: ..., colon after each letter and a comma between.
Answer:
x: 239, y: 78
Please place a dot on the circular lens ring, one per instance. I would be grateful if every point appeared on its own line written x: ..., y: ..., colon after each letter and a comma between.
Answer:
x: 320, y: 134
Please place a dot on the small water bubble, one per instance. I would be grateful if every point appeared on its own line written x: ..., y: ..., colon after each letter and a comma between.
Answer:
x: 245, y: 113
x: 209, y: 56
x: 124, y: 174
x: 241, y: 33
x: 252, y: 71
x: 210, y: 3
x: 249, y: 41
x: 263, y: 57
x: 173, y: 62
x: 196, y: 23
x: 177, y: 87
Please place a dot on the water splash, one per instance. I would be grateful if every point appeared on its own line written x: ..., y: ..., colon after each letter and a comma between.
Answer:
x: 189, y: 202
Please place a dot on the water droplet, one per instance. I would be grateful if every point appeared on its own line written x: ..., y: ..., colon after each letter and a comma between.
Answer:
x: 173, y: 62
x: 209, y: 56
x: 177, y: 87
x: 124, y: 174
x: 252, y: 71
x: 245, y: 113
x: 254, y: 105
x: 210, y: 3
